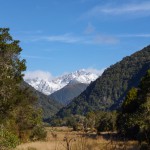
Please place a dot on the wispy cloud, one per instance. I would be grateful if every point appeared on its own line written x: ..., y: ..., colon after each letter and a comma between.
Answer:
x: 66, y: 38
x: 90, y: 37
x: 72, y: 39
x: 140, y: 9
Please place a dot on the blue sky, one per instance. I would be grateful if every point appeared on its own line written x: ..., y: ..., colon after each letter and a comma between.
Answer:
x: 59, y: 36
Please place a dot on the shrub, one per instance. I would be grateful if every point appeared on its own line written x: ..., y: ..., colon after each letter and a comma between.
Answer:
x: 38, y: 133
x: 8, y: 140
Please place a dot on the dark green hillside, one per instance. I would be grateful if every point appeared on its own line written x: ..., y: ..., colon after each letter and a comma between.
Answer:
x: 109, y: 90
x: 48, y: 105
x: 70, y: 91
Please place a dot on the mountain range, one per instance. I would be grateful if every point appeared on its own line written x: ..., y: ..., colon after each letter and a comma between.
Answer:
x: 48, y: 87
x: 109, y: 90
x: 54, y: 94
x: 106, y: 92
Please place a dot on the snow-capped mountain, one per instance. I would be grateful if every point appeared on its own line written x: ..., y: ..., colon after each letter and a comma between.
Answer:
x: 50, y: 86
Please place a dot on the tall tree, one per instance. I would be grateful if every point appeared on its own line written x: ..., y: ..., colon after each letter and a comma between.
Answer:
x: 11, y: 68
x: 18, y: 112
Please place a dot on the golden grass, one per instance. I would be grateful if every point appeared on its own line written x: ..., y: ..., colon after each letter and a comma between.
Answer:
x: 63, y: 138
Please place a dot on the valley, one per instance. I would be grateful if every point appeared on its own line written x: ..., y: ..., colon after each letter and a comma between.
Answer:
x: 93, y: 118
x: 81, y: 110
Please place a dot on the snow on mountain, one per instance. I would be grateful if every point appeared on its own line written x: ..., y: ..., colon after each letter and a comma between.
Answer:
x: 48, y: 86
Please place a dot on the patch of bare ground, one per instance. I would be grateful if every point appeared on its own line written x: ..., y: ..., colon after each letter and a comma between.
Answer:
x: 63, y: 138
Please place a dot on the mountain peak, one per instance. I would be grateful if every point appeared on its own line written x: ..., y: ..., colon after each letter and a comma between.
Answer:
x: 50, y: 86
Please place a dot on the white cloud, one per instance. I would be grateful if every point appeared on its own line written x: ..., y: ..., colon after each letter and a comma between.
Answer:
x: 38, y: 74
x: 139, y: 9
x: 95, y: 71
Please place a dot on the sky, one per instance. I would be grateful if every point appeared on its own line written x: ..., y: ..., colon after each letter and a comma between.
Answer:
x: 60, y: 36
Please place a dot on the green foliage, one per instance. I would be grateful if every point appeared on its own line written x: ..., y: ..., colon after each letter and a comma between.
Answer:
x: 48, y: 105
x: 11, y: 68
x: 91, y: 120
x: 109, y: 90
x: 18, y: 111
x: 71, y: 122
x: 106, y: 121
x: 100, y: 120
x: 38, y: 133
x: 29, y: 123
x: 134, y: 118
x: 8, y: 140
x: 130, y: 104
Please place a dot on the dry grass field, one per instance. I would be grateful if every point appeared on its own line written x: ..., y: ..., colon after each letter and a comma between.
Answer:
x: 63, y: 138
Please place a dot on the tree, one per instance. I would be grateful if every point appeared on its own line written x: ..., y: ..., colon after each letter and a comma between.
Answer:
x: 11, y: 68
x: 134, y: 119
x: 130, y: 103
x: 106, y: 121
x: 18, y: 112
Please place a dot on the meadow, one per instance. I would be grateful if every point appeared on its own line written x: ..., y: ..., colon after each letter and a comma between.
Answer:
x: 63, y: 138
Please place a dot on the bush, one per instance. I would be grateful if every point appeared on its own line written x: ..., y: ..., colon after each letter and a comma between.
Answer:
x: 106, y: 121
x: 8, y: 140
x: 38, y: 133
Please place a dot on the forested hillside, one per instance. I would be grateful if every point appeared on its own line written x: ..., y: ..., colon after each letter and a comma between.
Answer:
x: 49, y: 106
x: 67, y: 93
x: 109, y: 90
